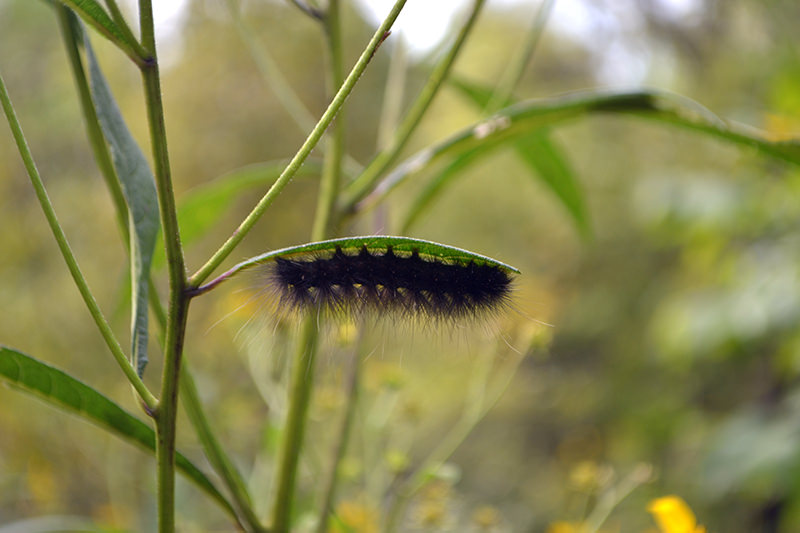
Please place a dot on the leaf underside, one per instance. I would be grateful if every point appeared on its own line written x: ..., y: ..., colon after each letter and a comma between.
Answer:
x: 402, y: 245
x: 138, y: 186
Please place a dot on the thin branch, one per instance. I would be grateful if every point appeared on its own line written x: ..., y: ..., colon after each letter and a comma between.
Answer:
x: 178, y: 300
x: 342, y: 439
x: 289, y: 452
x: 369, y: 178
x: 274, y: 78
x: 332, y: 169
x: 308, y: 9
x: 513, y: 73
x: 304, y: 151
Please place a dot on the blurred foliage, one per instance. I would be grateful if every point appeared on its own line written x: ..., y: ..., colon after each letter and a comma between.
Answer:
x: 674, y: 339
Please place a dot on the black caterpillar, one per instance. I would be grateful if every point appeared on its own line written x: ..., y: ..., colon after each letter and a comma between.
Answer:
x: 382, y: 282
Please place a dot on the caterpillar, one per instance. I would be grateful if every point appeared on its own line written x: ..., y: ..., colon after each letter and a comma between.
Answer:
x: 380, y: 275
x: 366, y: 281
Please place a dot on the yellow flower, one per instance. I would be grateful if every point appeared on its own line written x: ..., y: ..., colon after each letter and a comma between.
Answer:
x: 356, y: 517
x: 673, y: 515
x: 486, y: 517
x: 566, y: 527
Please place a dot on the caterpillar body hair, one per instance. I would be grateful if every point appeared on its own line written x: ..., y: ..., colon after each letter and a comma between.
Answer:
x: 387, y: 281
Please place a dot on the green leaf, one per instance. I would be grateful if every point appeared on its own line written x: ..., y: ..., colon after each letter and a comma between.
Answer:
x: 202, y: 207
x: 542, y: 155
x: 400, y: 245
x: 517, y: 121
x: 61, y: 390
x: 138, y: 186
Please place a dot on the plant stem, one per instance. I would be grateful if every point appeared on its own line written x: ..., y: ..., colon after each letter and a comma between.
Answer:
x: 216, y: 456
x: 340, y: 447
x: 308, y: 9
x: 144, y: 393
x: 473, y: 413
x: 303, y: 370
x: 512, y: 75
x: 274, y: 78
x: 303, y: 152
x: 167, y: 415
x: 364, y: 183
x: 392, y: 105
x: 270, y: 72
x: 331, y: 172
x: 328, y: 192
x: 188, y: 391
x: 178, y: 299
x: 122, y: 37
x: 119, y: 19
x: 289, y: 453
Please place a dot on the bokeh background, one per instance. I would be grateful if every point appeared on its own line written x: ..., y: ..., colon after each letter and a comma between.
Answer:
x: 660, y: 354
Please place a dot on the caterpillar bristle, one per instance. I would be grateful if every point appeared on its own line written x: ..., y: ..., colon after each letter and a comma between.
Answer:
x: 382, y: 282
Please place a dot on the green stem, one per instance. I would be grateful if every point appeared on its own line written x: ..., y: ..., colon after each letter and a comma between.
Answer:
x: 178, y: 299
x: 289, y: 453
x: 167, y: 415
x: 303, y: 370
x: 308, y: 9
x: 216, y: 455
x: 146, y: 396
x: 274, y: 78
x: 394, y: 89
x: 473, y: 413
x: 329, y: 189
x: 188, y: 391
x: 122, y: 37
x: 513, y: 74
x: 332, y: 169
x: 312, y: 140
x: 340, y: 447
x: 364, y: 183
x: 119, y: 19
x: 271, y: 73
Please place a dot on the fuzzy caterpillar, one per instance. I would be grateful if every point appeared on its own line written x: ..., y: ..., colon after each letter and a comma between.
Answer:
x: 383, y: 275
x: 385, y: 282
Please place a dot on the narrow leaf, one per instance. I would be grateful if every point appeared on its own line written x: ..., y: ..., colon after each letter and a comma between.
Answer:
x: 515, y: 122
x: 373, y: 243
x: 139, y: 188
x: 542, y: 155
x: 61, y: 390
x: 381, y: 243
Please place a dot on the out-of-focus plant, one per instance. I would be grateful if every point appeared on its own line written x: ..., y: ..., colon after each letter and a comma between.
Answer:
x: 405, y: 490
